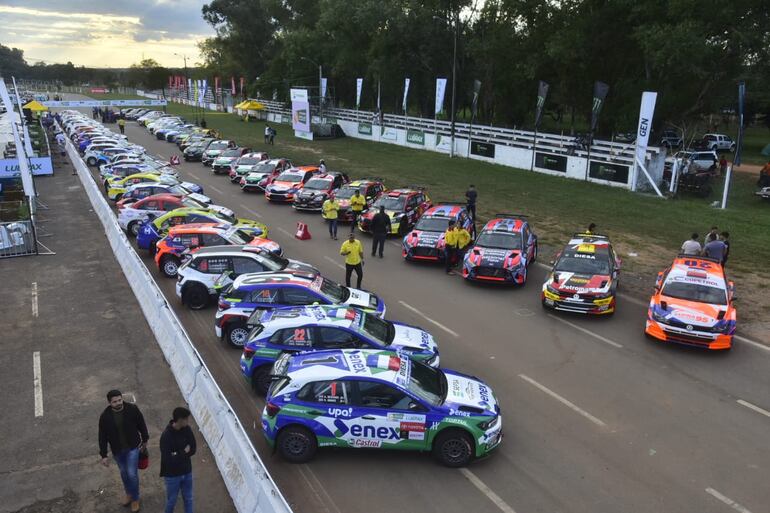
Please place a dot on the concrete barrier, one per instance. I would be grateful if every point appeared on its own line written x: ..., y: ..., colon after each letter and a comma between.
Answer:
x: 248, y: 481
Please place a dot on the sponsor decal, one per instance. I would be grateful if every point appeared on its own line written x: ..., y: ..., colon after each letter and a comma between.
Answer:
x: 357, y: 363
x: 458, y: 413
x: 456, y: 388
x: 412, y: 426
x: 406, y: 417
x: 483, y: 149
x: 365, y: 128
x: 339, y: 412
x: 484, y: 393
x: 551, y: 162
x: 416, y: 435
x: 375, y: 432
x: 364, y: 443
x: 415, y: 137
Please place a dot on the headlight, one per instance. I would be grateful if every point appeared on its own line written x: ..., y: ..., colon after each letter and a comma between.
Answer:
x: 487, y: 423
x: 659, y: 317
x: 551, y: 289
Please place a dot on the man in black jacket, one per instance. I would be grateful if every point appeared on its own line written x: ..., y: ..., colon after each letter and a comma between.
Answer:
x: 380, y: 230
x: 177, y: 446
x: 122, y: 426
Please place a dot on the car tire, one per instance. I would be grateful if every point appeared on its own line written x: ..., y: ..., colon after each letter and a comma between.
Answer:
x: 133, y: 228
x: 169, y: 266
x: 296, y: 444
x: 453, y: 448
x: 91, y: 161
x: 260, y: 379
x: 534, y: 253
x: 236, y: 334
x: 195, y: 296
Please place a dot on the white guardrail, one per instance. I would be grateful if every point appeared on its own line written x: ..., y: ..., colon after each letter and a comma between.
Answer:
x: 248, y: 481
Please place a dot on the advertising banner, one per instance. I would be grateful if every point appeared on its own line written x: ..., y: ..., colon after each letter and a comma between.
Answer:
x: 440, y: 90
x: 644, y: 127
x: 300, y: 110
x: 204, y: 88
x: 99, y: 90
x: 389, y: 134
x: 600, y: 94
x: 551, y: 162
x: 106, y: 103
x: 40, y: 166
x: 365, y: 128
x: 415, y: 137
x: 610, y: 172
x: 406, y: 93
x: 189, y: 89
x: 483, y: 149
x: 324, y: 81
x: 542, y: 94
x: 359, y: 85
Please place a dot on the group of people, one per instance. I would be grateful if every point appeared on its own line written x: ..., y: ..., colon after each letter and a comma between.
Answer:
x: 106, y: 115
x: 123, y: 430
x: 716, y: 245
x: 270, y: 134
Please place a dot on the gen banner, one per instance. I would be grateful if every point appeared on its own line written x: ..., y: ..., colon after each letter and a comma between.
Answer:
x: 440, y: 90
x: 600, y: 94
x: 406, y: 93
x: 644, y: 126
x: 542, y: 94
x: 359, y: 85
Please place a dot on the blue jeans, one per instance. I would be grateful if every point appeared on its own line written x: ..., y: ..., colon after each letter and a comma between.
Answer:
x: 128, y: 463
x: 173, y: 486
x: 332, y: 227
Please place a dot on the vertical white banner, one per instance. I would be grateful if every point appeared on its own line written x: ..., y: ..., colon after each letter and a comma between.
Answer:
x: 406, y: 93
x: 378, y: 94
x: 203, y: 93
x: 643, y: 128
x: 323, y: 88
x: 440, y: 90
x: 359, y: 85
x: 189, y: 89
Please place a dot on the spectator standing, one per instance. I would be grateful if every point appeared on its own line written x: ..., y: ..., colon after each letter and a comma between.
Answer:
x: 267, y: 134
x: 122, y: 126
x: 331, y: 208
x: 452, y: 242
x: 353, y: 252
x: 273, y: 133
x: 357, y: 205
x: 380, y: 230
x: 177, y: 446
x: 712, y: 235
x: 322, y: 166
x: 692, y: 246
x: 722, y: 165
x: 122, y: 427
x: 61, y: 141
x: 591, y: 229
x: 726, y: 240
x: 470, y: 197
x: 715, y: 249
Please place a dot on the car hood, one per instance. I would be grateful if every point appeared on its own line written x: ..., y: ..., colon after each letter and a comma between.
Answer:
x: 578, y: 283
x: 424, y: 238
x: 359, y: 298
x: 690, y: 313
x: 412, y: 339
x: 224, y: 160
x: 256, y: 176
x: 266, y: 244
x: 312, y: 194
x: 219, y: 209
x: 391, y: 213
x: 495, y: 257
x: 284, y: 185
x: 466, y: 394
x: 213, y: 153
x: 202, y: 198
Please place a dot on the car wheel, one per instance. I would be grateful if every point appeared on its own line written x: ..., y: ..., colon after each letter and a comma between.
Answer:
x: 260, y: 379
x: 133, y: 228
x: 236, y: 334
x: 296, y: 444
x: 195, y: 296
x: 534, y: 253
x: 169, y: 266
x: 91, y: 161
x: 453, y: 448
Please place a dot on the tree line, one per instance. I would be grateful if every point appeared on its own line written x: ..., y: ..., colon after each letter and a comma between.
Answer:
x: 693, y: 53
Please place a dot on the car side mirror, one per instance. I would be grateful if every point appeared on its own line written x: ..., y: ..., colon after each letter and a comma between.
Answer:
x: 414, y: 406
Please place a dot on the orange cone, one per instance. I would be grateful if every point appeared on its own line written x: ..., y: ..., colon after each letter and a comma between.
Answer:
x: 302, y: 232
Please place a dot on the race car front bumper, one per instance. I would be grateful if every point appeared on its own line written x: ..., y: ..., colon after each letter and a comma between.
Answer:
x: 491, y: 439
x: 580, y: 304
x: 692, y: 337
x: 494, y: 274
x: 217, y: 168
x: 424, y: 253
x: 284, y: 197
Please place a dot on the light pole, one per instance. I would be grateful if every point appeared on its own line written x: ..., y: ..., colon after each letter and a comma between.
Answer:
x: 186, y: 82
x: 320, y: 83
x: 455, y: 23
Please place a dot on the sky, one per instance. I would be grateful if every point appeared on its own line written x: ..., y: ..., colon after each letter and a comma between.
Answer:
x: 104, y: 33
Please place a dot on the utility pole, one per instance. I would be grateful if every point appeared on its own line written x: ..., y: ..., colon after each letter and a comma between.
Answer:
x: 454, y: 86
x: 320, y: 83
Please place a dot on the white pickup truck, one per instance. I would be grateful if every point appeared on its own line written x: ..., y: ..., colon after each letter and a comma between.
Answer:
x: 718, y: 142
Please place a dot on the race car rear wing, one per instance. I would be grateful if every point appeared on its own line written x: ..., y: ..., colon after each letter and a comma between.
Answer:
x: 508, y: 215
x: 590, y: 236
x: 459, y: 203
x: 698, y: 257
x: 413, y: 186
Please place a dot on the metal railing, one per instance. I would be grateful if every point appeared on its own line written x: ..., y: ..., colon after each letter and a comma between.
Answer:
x: 17, y: 230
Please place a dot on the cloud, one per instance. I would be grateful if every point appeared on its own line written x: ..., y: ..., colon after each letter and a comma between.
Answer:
x: 104, y: 33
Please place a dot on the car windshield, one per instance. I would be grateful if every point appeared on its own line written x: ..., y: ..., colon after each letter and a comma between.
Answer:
x: 695, y: 292
x: 273, y: 262
x: 218, y: 145
x: 347, y: 192
x: 290, y: 176
x: 247, y: 161
x: 263, y: 168
x: 391, y: 203
x: 225, y: 217
x: 432, y: 224
x: 335, y: 291
x: 499, y: 240
x: 187, y: 201
x: 240, y: 238
x: 230, y: 153
x: 377, y: 328
x: 178, y: 189
x: 318, y: 184
x: 427, y: 383
x: 583, y: 263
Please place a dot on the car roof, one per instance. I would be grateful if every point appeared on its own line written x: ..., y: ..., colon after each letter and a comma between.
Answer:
x: 199, y: 228
x: 285, y: 277
x: 505, y: 224
x: 444, y: 210
x: 360, y: 183
x: 697, y: 270
x: 387, y: 366
x: 164, y: 196
x: 230, y: 250
x: 589, y: 239
x: 317, y: 315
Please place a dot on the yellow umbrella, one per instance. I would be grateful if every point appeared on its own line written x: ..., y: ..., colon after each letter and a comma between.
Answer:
x: 253, y: 105
x: 240, y: 105
x: 35, y: 106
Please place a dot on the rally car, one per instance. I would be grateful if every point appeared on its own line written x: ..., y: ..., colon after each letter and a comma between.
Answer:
x: 116, y: 173
x: 312, y: 328
x: 243, y: 165
x: 152, y: 231
x: 131, y: 216
x: 221, y: 164
x: 693, y: 304
x: 381, y: 400
x: 143, y: 190
x: 264, y: 174
x: 181, y: 240
x: 370, y: 188
x: 119, y: 187
x: 195, y: 150
x: 210, y: 270
x: 502, y: 252
x: 404, y: 206
x: 584, y: 277
x: 214, y: 149
x: 426, y: 240
x: 288, y: 183
x: 248, y: 292
x: 313, y: 194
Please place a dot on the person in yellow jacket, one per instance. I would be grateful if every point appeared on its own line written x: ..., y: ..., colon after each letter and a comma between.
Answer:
x: 456, y: 239
x: 357, y: 205
x: 330, y: 210
x: 122, y: 125
x: 353, y: 251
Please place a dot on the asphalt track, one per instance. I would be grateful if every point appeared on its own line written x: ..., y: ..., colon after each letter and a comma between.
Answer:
x: 596, y: 417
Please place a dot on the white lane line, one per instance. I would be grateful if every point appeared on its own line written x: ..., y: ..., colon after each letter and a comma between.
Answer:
x: 478, y: 483
x: 565, y: 402
x: 37, y: 381
x: 754, y: 407
x: 752, y: 343
x: 250, y: 211
x: 410, y: 307
x: 333, y: 261
x: 587, y: 332
x: 34, y: 299
x: 727, y: 500
x: 285, y: 232
x: 212, y: 187
x: 194, y: 175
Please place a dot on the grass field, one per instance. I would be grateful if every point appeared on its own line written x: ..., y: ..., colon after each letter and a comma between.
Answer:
x: 644, y: 225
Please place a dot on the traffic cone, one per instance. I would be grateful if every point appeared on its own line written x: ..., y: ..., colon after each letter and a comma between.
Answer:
x: 302, y: 232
